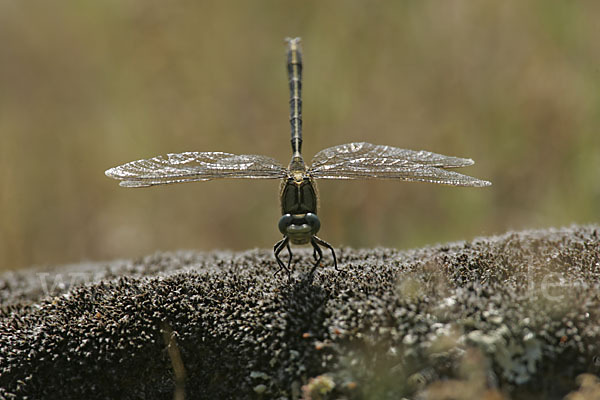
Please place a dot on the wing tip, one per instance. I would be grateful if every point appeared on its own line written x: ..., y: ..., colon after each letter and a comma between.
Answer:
x: 481, y: 183
x: 114, y: 173
x: 111, y: 173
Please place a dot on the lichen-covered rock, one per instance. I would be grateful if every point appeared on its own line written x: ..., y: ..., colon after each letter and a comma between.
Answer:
x: 514, y: 316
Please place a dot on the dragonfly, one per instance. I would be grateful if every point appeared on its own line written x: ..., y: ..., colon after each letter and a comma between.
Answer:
x: 299, y: 223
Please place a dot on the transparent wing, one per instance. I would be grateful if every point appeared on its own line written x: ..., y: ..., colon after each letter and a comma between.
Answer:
x: 369, y: 161
x: 195, y: 166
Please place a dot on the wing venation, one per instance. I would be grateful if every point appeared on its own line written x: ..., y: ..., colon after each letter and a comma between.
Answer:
x: 369, y: 161
x: 195, y: 166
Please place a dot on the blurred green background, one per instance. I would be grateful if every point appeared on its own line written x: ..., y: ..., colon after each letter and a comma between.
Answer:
x: 85, y: 86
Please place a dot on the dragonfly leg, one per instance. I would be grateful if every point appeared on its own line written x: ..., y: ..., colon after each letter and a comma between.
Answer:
x: 318, y: 241
x: 317, y: 250
x: 277, y: 249
x: 290, y: 253
x: 315, y: 253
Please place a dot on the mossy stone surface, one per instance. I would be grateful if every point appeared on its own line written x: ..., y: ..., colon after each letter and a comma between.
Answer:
x: 512, y: 316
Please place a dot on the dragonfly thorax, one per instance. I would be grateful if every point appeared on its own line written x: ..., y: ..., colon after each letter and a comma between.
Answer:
x: 299, y: 221
x: 298, y: 195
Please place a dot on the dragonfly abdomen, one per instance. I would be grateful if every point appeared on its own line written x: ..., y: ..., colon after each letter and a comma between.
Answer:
x: 294, y: 66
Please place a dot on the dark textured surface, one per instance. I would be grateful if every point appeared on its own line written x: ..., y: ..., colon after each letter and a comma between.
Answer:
x: 515, y: 315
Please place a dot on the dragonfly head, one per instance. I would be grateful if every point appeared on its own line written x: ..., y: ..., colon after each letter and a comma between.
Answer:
x: 300, y: 228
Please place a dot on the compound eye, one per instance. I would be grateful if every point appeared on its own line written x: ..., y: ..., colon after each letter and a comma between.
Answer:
x: 313, y: 221
x: 284, y: 222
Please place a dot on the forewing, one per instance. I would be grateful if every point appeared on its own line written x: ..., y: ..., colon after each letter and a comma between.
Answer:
x: 369, y: 161
x: 195, y: 166
x: 351, y: 151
